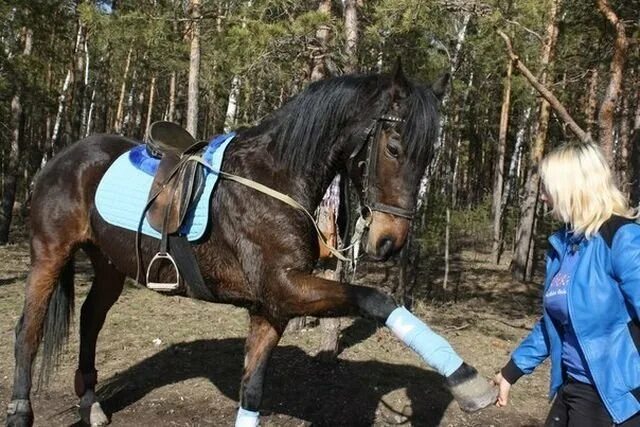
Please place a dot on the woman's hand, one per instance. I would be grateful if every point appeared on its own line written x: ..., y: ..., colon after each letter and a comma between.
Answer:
x: 504, y: 387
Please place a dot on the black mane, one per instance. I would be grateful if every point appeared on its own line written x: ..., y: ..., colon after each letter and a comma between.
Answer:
x: 307, y: 127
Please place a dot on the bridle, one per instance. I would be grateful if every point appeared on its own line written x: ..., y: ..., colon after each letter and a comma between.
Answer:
x: 369, y: 193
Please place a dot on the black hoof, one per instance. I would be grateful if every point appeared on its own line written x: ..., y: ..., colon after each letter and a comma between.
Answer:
x: 470, y: 390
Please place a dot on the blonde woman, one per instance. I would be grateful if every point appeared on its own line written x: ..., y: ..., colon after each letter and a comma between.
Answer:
x: 591, y: 300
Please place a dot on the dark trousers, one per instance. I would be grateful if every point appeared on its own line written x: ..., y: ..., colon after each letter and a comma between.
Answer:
x: 579, y: 405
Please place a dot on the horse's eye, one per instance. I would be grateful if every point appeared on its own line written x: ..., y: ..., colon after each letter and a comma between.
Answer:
x: 393, y: 151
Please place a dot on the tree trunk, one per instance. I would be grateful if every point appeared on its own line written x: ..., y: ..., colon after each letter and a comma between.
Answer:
x: 592, y: 100
x: 232, y: 105
x: 92, y: 106
x: 524, y: 233
x: 127, y: 117
x: 62, y: 100
x: 319, y: 50
x: 85, y: 99
x: 498, y: 179
x: 456, y: 165
x: 13, y: 159
x: 234, y: 93
x: 635, y: 155
x: 137, y: 130
x: 622, y: 163
x: 447, y: 233
x: 194, y: 70
x: 609, y: 104
x: 514, y: 164
x: 117, y: 126
x: 152, y: 92
x: 351, y: 35
x: 453, y: 66
x: 172, y: 97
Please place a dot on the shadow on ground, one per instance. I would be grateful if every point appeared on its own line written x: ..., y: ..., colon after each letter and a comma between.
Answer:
x: 297, y: 385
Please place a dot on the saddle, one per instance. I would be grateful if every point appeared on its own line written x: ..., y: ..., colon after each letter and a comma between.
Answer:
x: 177, y: 180
x: 176, y: 186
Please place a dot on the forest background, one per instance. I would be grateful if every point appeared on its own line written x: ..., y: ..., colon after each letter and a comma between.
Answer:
x: 471, y: 269
x: 70, y: 68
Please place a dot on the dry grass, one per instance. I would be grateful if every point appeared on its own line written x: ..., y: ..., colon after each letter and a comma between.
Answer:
x: 192, y: 376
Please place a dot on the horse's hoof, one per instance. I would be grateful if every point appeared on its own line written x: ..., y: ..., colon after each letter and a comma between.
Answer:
x: 91, y: 412
x: 93, y: 415
x: 470, y: 390
x: 19, y: 414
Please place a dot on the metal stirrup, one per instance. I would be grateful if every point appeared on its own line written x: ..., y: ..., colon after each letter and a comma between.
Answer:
x: 162, y: 286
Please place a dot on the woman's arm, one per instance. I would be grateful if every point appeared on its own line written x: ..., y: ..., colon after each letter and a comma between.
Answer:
x: 625, y: 260
x: 531, y: 352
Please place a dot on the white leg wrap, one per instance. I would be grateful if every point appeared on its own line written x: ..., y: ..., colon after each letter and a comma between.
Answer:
x: 433, y: 349
x: 247, y: 418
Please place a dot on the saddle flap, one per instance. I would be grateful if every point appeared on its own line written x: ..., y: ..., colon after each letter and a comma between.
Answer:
x: 173, y: 191
x: 166, y: 137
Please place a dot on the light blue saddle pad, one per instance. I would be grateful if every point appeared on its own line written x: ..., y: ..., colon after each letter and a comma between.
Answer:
x: 123, y: 191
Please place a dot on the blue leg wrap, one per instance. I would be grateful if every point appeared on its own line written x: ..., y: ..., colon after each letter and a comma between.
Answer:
x: 433, y: 349
x: 247, y: 418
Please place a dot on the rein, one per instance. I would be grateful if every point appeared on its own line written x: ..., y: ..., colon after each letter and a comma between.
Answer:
x: 276, y: 195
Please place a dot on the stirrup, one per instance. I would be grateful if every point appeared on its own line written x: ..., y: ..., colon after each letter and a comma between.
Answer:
x: 163, y: 286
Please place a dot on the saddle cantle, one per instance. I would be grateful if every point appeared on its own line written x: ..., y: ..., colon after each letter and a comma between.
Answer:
x: 168, y: 137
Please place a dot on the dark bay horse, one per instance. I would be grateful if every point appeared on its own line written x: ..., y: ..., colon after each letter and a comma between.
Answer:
x: 259, y: 252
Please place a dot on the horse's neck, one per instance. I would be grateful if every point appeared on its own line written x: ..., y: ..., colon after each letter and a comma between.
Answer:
x: 254, y: 160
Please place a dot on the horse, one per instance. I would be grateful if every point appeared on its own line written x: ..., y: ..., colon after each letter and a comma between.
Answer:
x: 258, y: 253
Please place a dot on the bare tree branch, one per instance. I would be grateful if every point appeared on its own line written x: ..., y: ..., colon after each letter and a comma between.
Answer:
x: 546, y: 93
x: 528, y: 30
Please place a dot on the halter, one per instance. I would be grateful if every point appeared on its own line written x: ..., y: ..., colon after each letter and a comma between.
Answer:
x: 369, y: 194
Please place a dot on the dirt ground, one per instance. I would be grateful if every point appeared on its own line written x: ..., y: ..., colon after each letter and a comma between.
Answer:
x: 171, y: 361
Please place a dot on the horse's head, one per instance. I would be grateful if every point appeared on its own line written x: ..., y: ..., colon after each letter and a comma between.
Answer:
x: 389, y: 156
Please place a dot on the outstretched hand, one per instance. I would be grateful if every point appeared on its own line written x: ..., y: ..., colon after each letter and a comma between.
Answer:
x: 503, y: 390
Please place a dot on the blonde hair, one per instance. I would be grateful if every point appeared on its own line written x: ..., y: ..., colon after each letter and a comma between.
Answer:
x: 582, y: 188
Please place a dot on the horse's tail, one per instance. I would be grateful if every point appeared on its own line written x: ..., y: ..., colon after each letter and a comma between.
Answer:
x: 56, y: 322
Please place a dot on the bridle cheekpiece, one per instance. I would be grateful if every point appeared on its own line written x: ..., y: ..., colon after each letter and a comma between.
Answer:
x: 371, y: 139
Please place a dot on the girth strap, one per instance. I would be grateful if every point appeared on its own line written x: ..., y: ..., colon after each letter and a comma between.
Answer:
x: 188, y: 267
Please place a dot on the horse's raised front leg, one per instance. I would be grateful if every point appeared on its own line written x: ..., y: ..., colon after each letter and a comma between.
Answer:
x: 105, y: 290
x: 262, y: 338
x: 305, y: 294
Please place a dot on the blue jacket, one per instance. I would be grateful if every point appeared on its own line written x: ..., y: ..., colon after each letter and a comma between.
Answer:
x: 604, y: 306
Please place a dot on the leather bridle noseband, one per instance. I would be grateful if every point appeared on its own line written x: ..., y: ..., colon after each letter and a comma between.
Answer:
x: 369, y: 194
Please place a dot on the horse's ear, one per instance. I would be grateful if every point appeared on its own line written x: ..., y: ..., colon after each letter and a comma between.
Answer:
x: 399, y: 84
x: 439, y: 87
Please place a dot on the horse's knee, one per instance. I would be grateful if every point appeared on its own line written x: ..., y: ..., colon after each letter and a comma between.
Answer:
x: 373, y: 303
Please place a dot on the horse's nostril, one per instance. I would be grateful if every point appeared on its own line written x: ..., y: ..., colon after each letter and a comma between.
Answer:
x: 385, y: 246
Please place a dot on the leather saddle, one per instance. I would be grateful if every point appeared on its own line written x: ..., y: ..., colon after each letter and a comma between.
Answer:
x: 178, y: 181
x: 176, y: 186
